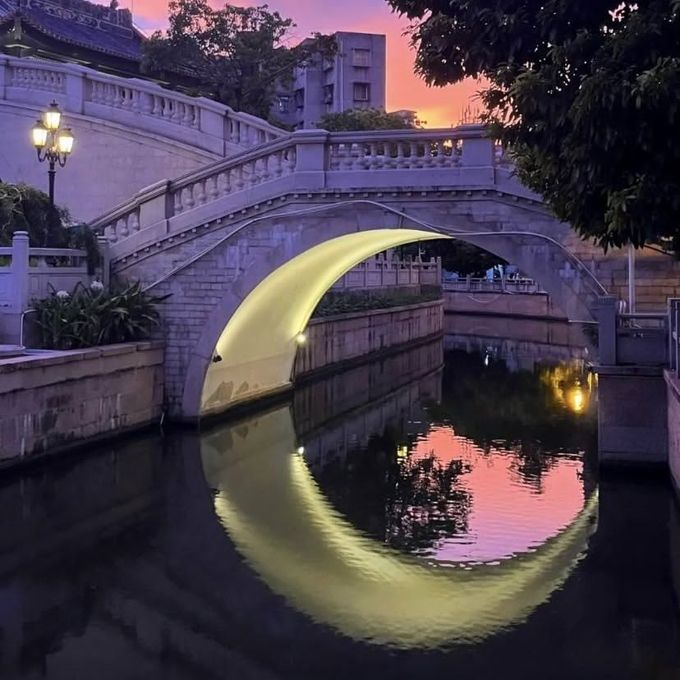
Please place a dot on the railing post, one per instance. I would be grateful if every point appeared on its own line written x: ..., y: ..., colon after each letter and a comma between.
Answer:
x: 105, y: 252
x: 4, y: 73
x: 606, y: 314
x: 310, y: 154
x: 75, y: 89
x: 157, y: 205
x: 477, y: 152
x: 20, y: 270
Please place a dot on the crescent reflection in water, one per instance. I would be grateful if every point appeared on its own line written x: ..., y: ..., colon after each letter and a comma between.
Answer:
x: 304, y: 550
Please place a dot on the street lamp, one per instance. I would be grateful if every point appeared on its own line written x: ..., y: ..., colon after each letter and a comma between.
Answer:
x: 52, y: 142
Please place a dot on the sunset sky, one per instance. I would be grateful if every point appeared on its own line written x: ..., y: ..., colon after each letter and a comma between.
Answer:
x: 440, y: 107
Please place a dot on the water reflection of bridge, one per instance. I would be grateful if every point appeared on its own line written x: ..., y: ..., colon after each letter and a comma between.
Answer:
x: 164, y: 582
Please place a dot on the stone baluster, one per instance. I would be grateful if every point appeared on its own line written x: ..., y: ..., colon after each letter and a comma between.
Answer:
x: 199, y: 193
x: 133, y: 221
x: 157, y: 109
x: 212, y: 190
x: 110, y: 232
x: 224, y: 182
x: 136, y: 104
x: 177, y: 202
x: 277, y: 164
x: 145, y: 102
x: 122, y: 228
x: 239, y: 171
x: 188, y: 197
x: 291, y: 160
x: 400, y: 161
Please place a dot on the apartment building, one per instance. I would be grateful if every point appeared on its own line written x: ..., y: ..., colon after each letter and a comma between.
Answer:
x: 353, y: 78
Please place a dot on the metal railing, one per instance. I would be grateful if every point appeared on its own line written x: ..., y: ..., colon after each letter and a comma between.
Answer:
x: 633, y: 339
x: 503, y: 285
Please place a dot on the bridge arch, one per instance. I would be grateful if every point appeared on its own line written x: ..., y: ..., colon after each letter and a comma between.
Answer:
x: 238, y: 303
x: 247, y: 246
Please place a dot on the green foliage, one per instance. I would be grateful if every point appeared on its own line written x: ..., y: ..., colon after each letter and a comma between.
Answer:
x: 587, y: 95
x: 364, y: 119
x: 457, y: 256
x: 24, y: 208
x: 89, y: 317
x: 236, y: 55
x: 360, y: 300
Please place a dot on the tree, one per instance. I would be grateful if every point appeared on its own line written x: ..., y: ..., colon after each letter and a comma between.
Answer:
x: 457, y: 256
x: 25, y: 208
x: 235, y: 55
x: 586, y: 94
x: 364, y: 119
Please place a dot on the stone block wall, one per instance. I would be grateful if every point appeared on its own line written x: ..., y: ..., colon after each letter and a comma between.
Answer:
x: 346, y: 337
x: 51, y: 401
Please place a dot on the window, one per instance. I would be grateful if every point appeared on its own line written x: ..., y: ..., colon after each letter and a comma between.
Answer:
x: 283, y: 104
x: 361, y: 57
x: 362, y: 92
x: 328, y: 94
x: 300, y: 98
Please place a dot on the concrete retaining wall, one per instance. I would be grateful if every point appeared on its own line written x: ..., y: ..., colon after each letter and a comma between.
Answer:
x: 632, y: 422
x: 55, y: 400
x: 534, y: 305
x: 336, y: 339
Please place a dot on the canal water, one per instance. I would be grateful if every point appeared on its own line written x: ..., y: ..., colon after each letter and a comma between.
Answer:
x: 437, y: 513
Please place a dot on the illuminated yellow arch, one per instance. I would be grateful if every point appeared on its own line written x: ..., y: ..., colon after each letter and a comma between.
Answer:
x: 255, y: 353
x: 305, y: 551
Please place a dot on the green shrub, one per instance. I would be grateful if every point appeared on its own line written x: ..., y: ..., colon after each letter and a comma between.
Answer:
x: 348, y: 302
x: 88, y: 317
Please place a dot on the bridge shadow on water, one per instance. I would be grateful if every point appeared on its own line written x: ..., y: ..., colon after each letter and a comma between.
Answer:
x: 229, y: 553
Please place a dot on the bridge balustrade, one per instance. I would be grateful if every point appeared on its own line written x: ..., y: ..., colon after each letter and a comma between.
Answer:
x: 135, y: 103
x: 312, y: 160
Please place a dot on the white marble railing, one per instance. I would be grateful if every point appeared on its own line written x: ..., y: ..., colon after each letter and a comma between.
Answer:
x: 30, y: 273
x: 138, y: 104
x: 386, y: 272
x: 316, y: 160
x: 407, y: 150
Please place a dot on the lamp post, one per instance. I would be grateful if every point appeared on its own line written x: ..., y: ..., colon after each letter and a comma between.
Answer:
x: 52, y: 142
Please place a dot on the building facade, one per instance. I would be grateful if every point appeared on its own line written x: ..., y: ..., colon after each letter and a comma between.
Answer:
x: 354, y: 78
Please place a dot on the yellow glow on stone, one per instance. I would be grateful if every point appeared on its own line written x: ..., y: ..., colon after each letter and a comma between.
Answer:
x: 259, y: 342
x: 307, y: 552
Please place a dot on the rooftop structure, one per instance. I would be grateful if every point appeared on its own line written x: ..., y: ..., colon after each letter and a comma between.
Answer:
x: 72, y: 30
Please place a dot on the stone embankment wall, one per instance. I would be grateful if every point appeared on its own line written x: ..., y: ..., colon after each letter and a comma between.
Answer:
x: 343, y: 338
x: 657, y: 276
x: 51, y: 401
x: 528, y: 305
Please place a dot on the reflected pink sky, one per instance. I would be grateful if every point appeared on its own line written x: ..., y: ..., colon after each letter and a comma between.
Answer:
x: 508, y: 515
x: 439, y: 107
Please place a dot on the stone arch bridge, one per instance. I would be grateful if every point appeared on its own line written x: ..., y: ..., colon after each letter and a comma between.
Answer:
x: 247, y: 246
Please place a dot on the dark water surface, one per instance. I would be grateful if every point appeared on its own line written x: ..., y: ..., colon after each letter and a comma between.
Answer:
x: 435, y: 514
